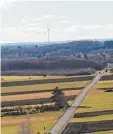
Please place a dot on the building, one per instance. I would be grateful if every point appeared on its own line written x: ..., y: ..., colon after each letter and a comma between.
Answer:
x: 110, y: 64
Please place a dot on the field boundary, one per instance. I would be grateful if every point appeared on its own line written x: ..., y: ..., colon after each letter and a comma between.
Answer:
x: 93, y: 113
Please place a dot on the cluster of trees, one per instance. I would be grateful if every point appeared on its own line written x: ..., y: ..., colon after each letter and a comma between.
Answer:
x: 59, y: 102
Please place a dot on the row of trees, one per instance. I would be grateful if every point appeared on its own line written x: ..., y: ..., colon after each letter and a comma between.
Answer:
x: 41, y: 64
x: 45, y: 72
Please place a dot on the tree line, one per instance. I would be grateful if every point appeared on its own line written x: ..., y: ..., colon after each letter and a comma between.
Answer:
x: 63, y: 49
x: 49, y: 64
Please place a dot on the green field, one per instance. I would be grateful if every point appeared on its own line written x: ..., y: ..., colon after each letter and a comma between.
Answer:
x: 44, y: 86
x: 95, y: 100
x: 24, y: 78
x: 101, y: 84
x: 104, y: 84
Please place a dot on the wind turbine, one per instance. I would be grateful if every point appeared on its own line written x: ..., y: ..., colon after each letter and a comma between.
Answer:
x: 48, y: 35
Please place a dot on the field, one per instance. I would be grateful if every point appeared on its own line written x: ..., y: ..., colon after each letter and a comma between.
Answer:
x: 24, y: 78
x: 104, y: 84
x: 38, y: 121
x: 36, y: 95
x: 43, y: 86
x: 96, y: 100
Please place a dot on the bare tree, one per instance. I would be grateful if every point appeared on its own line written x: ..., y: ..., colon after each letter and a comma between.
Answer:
x: 25, y: 126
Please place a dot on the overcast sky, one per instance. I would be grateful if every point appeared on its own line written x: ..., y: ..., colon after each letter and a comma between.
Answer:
x: 27, y: 21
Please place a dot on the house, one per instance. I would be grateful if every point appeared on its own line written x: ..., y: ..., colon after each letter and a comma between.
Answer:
x: 110, y: 64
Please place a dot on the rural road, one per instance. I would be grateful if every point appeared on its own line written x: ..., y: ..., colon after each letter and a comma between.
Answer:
x: 62, y: 122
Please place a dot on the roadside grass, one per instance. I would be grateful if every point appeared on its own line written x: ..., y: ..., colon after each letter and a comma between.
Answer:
x: 26, y: 78
x: 44, y: 86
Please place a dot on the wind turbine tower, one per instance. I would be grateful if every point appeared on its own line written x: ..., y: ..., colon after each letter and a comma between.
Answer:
x: 48, y: 35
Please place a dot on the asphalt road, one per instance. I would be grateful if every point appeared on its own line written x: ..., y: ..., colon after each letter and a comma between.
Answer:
x: 62, y: 122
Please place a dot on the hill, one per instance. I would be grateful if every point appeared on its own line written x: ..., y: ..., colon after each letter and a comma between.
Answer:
x: 26, y: 50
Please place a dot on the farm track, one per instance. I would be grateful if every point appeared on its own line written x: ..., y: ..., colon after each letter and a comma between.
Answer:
x: 40, y: 91
x: 32, y: 82
x: 31, y: 101
x: 87, y: 127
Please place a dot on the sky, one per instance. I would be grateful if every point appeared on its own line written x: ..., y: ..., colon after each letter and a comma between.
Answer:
x: 28, y: 21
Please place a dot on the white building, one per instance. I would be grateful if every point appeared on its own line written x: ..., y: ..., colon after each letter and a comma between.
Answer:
x: 110, y: 64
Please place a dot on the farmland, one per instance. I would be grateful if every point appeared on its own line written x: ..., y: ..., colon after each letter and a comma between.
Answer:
x: 47, y: 119
x: 25, y: 78
x: 96, y: 100
x: 44, y: 86
x: 56, y: 67
x: 36, y: 95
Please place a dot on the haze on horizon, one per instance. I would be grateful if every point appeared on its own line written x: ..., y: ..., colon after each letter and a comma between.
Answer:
x: 27, y: 21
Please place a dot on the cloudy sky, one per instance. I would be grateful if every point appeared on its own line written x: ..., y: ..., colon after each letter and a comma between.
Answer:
x: 27, y: 21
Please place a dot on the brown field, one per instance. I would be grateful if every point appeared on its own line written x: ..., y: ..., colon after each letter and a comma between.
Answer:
x: 37, y: 117
x: 36, y: 95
